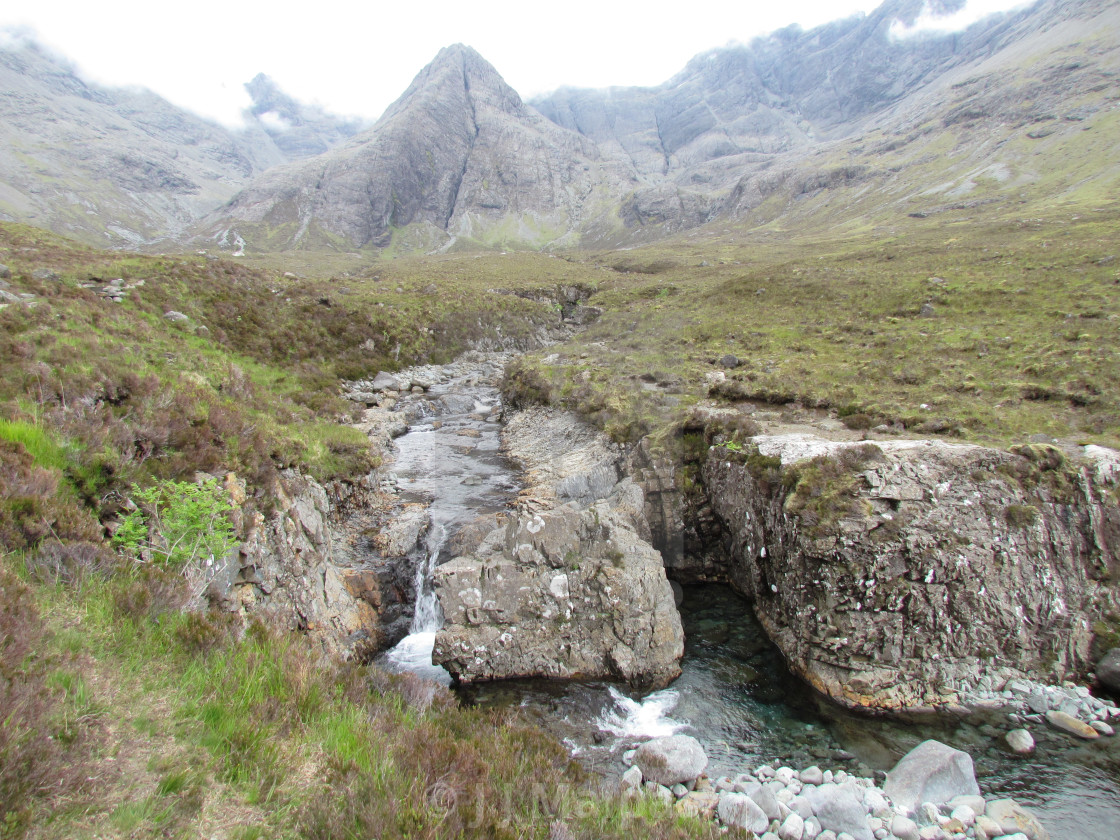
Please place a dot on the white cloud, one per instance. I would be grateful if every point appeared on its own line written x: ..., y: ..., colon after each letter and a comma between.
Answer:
x: 357, y: 58
x: 973, y: 12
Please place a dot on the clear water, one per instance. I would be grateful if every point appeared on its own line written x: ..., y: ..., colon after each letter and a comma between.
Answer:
x: 449, y: 459
x: 735, y: 693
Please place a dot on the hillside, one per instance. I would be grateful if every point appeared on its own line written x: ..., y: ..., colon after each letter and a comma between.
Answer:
x: 124, y: 167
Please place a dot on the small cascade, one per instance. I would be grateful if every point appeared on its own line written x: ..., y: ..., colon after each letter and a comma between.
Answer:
x: 428, y: 616
x: 450, y: 461
x: 648, y: 718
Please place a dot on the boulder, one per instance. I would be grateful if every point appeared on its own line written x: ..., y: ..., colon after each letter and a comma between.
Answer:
x: 1014, y: 818
x: 839, y: 808
x: 5, y: 272
x: 568, y: 585
x: 1021, y: 741
x: 1108, y: 671
x: 738, y: 810
x: 1071, y: 725
x: 672, y: 760
x: 931, y: 772
x: 842, y: 547
x: 385, y: 382
x: 175, y: 317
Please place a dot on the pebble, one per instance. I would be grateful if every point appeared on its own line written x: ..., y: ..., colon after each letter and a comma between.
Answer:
x: 781, y: 803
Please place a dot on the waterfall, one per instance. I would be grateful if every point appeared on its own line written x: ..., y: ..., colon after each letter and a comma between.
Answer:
x: 414, y: 652
x: 428, y: 617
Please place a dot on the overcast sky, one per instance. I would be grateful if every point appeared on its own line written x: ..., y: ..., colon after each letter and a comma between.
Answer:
x: 357, y: 58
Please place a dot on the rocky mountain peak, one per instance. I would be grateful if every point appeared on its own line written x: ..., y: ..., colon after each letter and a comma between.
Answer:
x: 458, y: 74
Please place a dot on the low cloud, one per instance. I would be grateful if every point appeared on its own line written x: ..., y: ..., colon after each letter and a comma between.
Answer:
x: 936, y: 19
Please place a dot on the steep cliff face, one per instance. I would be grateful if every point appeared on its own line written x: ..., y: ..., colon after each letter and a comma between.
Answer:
x: 458, y: 154
x: 895, y: 575
x: 569, y: 586
x: 329, y: 561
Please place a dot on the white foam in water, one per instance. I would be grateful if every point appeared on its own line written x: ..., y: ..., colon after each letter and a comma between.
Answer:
x: 414, y: 653
x: 648, y: 719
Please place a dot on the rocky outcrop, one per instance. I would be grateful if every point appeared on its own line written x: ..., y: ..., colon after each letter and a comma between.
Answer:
x: 896, y: 575
x: 569, y: 586
x: 334, y: 562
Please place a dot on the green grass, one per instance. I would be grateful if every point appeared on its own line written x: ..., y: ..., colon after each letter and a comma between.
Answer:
x: 257, y: 735
x: 837, y: 324
x: 37, y: 441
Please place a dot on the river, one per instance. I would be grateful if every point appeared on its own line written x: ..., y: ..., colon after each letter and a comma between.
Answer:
x: 734, y: 694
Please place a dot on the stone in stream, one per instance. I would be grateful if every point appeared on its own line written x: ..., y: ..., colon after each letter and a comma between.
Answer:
x: 671, y: 760
x: 904, y: 828
x: 840, y: 808
x: 931, y: 772
x: 740, y: 811
x: 792, y: 828
x: 986, y: 828
x: 1013, y: 817
x: 1108, y: 671
x: 1021, y: 741
x: 1069, y: 724
x: 1102, y: 727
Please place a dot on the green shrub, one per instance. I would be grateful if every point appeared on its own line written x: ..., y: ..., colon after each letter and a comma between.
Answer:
x: 178, y: 523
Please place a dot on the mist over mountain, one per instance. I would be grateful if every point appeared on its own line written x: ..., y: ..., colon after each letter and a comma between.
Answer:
x: 859, y: 119
x: 123, y: 166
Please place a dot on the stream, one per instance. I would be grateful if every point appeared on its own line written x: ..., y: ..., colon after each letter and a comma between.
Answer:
x: 735, y: 693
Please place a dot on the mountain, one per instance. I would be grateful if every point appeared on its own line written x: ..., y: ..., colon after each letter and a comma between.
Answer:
x: 458, y: 155
x: 124, y: 166
x: 856, y: 123
x: 298, y: 130
x: 797, y: 112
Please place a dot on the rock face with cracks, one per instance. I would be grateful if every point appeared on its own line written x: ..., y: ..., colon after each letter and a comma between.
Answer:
x: 894, y: 575
x: 569, y: 586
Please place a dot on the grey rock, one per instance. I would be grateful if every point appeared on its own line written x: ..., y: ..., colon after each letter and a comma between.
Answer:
x: 729, y: 361
x: 513, y: 606
x: 1108, y: 671
x: 671, y: 760
x: 5, y: 272
x: 1012, y: 818
x: 175, y: 317
x: 45, y: 274
x: 1021, y: 741
x: 766, y: 800
x: 792, y: 828
x: 986, y: 828
x: 840, y: 808
x: 977, y: 803
x: 385, y: 382
x: 904, y: 828
x: 739, y: 811
x: 811, y: 776
x: 1102, y: 727
x: 801, y: 805
x: 908, y: 658
x: 632, y: 778
x: 931, y: 772
x: 927, y: 311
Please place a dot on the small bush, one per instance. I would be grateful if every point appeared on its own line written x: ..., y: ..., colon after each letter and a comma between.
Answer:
x: 1020, y: 516
x: 178, y: 523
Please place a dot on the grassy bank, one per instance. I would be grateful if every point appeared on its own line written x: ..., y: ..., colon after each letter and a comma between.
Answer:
x: 129, y: 718
x: 984, y: 330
